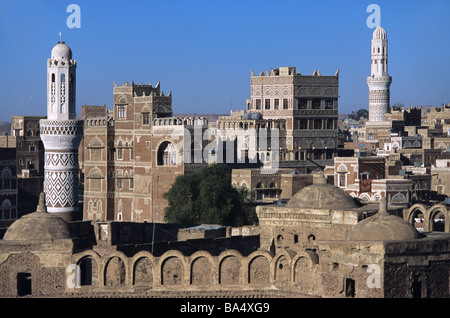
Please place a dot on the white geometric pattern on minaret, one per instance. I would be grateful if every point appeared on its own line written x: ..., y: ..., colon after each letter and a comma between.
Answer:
x: 379, y: 80
x: 61, y: 133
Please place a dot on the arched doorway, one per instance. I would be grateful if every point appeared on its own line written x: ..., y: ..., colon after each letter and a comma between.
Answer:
x: 437, y: 221
x: 88, y: 271
x: 417, y: 220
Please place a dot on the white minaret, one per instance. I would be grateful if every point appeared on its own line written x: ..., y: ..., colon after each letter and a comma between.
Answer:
x: 61, y: 133
x: 61, y: 83
x: 379, y: 80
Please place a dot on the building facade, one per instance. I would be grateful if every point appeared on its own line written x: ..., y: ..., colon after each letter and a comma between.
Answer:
x: 134, y: 152
x: 366, y: 178
x: 8, y: 186
x: 30, y: 160
x: 308, y: 104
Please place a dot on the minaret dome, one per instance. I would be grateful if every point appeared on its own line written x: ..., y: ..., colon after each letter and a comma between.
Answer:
x: 61, y: 52
x: 379, y: 34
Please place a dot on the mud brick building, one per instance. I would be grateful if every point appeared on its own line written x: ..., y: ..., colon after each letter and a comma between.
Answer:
x: 133, y: 153
x: 304, y: 109
x: 8, y: 186
x: 25, y: 130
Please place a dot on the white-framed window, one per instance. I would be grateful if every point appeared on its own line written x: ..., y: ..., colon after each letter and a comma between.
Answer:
x: 121, y: 111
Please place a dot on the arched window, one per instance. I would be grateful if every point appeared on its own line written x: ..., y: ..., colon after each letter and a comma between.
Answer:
x: 342, y: 176
x: 111, y: 150
x: 63, y: 78
x: 132, y: 151
x: 120, y: 150
x: 6, y: 179
x: 6, y: 210
x: 119, y: 210
x: 167, y: 154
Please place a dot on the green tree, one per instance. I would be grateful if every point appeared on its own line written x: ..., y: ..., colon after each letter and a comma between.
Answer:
x: 207, y: 197
x: 359, y: 114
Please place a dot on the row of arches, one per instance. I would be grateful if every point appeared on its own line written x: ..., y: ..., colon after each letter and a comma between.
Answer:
x: 180, y: 121
x: 252, y: 124
x: 100, y: 121
x: 8, y: 210
x: 201, y: 268
x: 427, y: 219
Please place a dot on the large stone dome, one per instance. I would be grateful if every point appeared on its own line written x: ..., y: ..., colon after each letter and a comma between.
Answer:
x: 321, y: 195
x: 382, y: 227
x: 39, y: 225
x: 61, y: 52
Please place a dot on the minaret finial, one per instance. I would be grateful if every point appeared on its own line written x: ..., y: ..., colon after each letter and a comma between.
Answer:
x: 383, y: 206
x: 41, y: 205
x: 60, y: 39
x: 320, y: 179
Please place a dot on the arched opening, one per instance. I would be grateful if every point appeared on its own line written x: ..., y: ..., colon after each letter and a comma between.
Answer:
x: 166, y: 154
x: 172, y: 271
x: 438, y: 221
x: 201, y: 272
x: 311, y: 238
x: 282, y: 272
x: 259, y: 191
x: 273, y: 191
x: 342, y: 176
x: 24, y: 286
x: 143, y: 272
x: 87, y: 271
x: 230, y: 270
x: 417, y: 220
x: 115, y: 272
x: 259, y: 271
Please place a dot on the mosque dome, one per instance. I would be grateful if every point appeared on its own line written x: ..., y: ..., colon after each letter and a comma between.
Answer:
x: 39, y: 225
x: 61, y: 52
x: 383, y: 227
x: 379, y: 34
x: 322, y: 195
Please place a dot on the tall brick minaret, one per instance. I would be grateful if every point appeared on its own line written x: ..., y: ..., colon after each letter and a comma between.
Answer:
x: 61, y: 134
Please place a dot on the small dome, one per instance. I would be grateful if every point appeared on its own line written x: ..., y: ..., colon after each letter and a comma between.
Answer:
x: 383, y: 227
x: 61, y: 52
x: 39, y: 225
x: 322, y: 195
x: 379, y: 34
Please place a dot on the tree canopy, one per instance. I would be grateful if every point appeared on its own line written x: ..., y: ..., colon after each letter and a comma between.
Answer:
x: 208, y: 197
x: 359, y: 114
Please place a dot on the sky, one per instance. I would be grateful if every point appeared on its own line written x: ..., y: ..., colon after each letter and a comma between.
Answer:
x: 203, y: 51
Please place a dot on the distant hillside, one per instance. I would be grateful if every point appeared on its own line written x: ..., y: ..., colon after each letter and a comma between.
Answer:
x: 5, y: 127
x: 214, y: 117
x: 209, y: 117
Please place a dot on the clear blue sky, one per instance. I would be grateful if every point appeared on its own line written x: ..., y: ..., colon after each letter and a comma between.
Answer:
x: 203, y: 50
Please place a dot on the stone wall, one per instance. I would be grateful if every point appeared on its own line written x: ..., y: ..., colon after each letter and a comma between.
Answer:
x: 199, y: 272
